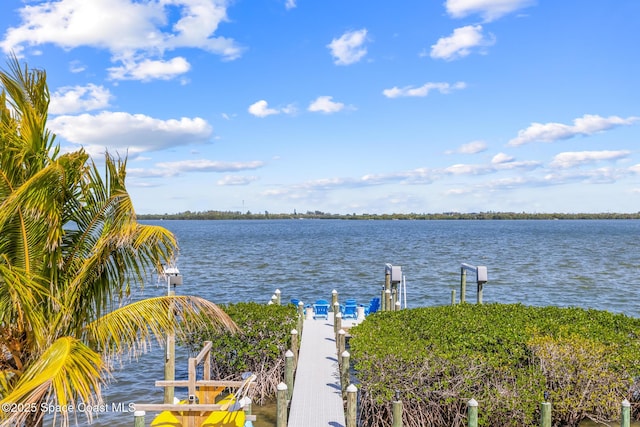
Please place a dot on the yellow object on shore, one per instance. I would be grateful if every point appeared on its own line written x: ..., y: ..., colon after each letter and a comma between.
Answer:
x: 222, y: 418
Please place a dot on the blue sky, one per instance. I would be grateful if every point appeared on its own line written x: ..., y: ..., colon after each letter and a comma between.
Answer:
x: 347, y: 106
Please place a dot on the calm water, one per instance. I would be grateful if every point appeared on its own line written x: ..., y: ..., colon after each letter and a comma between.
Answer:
x: 566, y: 263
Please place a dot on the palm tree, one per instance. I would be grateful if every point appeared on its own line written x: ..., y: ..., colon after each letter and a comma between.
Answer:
x: 70, y: 251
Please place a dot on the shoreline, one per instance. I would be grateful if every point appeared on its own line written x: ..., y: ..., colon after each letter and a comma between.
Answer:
x: 447, y: 216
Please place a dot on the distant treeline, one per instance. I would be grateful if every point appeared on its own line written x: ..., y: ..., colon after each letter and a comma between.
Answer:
x: 213, y: 215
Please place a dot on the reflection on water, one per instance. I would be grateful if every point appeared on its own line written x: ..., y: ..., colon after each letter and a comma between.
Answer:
x: 265, y: 415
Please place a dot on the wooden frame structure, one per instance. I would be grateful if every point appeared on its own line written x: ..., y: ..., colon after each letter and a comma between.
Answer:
x: 195, y: 411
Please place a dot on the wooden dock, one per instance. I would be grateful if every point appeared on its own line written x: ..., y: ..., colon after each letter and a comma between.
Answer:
x: 317, y: 397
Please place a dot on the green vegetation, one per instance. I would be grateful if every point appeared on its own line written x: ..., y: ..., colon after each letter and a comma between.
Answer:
x: 504, y: 356
x: 218, y: 215
x: 259, y: 347
x: 70, y: 249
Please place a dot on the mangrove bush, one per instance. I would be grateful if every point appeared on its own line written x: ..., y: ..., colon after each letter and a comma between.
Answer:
x: 259, y: 347
x: 504, y: 356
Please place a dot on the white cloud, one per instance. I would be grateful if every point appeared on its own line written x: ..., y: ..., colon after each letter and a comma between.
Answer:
x: 237, y: 180
x: 635, y: 168
x: 76, y: 67
x: 465, y: 169
x: 261, y: 109
x: 349, y: 49
x: 133, y: 133
x: 204, y: 165
x: 132, y: 31
x: 576, y: 158
x: 147, y: 69
x: 460, y: 43
x: 501, y: 158
x: 324, y: 104
x: 407, y: 91
x: 473, y: 147
x: 489, y: 9
x: 290, y: 4
x: 585, y: 125
x: 74, y: 99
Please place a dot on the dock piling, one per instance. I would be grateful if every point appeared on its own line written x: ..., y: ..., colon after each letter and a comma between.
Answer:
x: 352, y: 406
x: 341, y: 340
x: 138, y: 419
x: 545, y: 414
x: 396, y: 411
x: 625, y: 416
x: 300, y: 315
x: 336, y: 314
x: 345, y: 365
x: 282, y: 404
x: 288, y: 372
x: 295, y: 346
x: 472, y: 413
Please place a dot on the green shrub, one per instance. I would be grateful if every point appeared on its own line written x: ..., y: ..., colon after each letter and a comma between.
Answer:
x: 504, y: 356
x: 259, y: 347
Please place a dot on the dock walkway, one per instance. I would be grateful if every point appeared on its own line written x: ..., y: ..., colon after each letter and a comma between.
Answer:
x: 317, y: 397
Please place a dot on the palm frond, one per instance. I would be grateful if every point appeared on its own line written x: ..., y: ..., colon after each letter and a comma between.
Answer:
x: 21, y: 299
x: 67, y: 372
x: 132, y: 328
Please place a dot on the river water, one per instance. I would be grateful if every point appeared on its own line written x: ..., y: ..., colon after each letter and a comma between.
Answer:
x: 585, y: 263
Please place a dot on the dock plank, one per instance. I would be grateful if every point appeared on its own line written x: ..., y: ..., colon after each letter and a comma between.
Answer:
x: 317, y: 397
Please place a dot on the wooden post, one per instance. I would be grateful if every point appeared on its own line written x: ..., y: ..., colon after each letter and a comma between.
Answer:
x: 138, y: 419
x: 334, y: 298
x: 396, y: 413
x: 282, y: 404
x: 394, y: 297
x: 480, y: 285
x: 278, y: 298
x: 345, y: 374
x: 625, y: 416
x: 337, y: 322
x: 300, y: 315
x: 341, y: 341
x: 170, y: 357
x: 336, y: 311
x: 294, y: 346
x: 545, y: 414
x: 453, y: 297
x: 463, y: 285
x: 352, y: 405
x: 385, y: 301
x: 472, y: 413
x: 288, y: 372
x: 382, y: 294
x: 398, y: 305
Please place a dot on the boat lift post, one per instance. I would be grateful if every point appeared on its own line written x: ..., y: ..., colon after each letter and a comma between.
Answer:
x: 481, y: 279
x: 173, y: 278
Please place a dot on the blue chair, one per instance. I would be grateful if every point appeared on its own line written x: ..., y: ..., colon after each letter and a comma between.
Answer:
x: 350, y: 310
x: 374, y: 305
x: 321, y: 309
x: 295, y: 301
